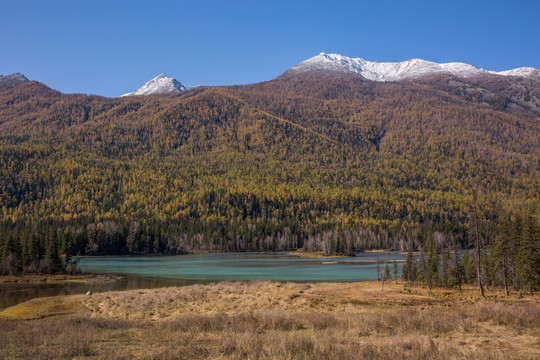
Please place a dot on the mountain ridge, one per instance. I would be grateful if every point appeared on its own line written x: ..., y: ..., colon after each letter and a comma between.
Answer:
x: 398, y: 71
x: 334, y: 64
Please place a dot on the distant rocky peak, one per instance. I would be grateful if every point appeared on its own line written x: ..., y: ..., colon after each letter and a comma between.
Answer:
x: 161, y: 84
x: 13, y: 78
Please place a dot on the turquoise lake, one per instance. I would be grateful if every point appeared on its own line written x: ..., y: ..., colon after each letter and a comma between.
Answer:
x: 244, y: 266
x: 147, y: 272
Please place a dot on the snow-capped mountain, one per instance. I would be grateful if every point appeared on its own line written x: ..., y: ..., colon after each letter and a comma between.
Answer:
x: 13, y: 78
x: 526, y: 72
x: 161, y: 84
x: 395, y: 71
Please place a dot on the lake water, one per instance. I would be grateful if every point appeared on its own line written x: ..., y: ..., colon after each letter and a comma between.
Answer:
x: 15, y: 293
x: 139, y: 272
x: 242, y: 266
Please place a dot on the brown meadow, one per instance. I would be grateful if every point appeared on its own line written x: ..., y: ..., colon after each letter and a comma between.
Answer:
x: 257, y: 320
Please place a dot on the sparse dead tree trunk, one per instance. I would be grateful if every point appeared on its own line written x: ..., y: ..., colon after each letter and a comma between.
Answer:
x: 378, y: 268
x: 505, y: 283
x: 384, y: 271
x: 458, y: 268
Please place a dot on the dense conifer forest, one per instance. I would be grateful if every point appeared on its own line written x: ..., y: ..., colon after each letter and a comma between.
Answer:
x: 335, y: 164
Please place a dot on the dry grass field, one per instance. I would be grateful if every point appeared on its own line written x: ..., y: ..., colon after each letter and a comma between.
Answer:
x: 258, y: 320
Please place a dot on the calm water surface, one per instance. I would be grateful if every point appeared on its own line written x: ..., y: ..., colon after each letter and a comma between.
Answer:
x: 15, y: 293
x: 160, y: 271
x: 242, y: 266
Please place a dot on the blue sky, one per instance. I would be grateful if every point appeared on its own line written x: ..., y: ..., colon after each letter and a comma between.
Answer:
x: 113, y: 47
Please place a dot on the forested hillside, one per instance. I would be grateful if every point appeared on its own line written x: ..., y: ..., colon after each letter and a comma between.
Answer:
x: 329, y: 163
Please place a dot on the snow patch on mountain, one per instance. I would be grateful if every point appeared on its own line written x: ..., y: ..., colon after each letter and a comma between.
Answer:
x: 396, y: 71
x: 161, y: 84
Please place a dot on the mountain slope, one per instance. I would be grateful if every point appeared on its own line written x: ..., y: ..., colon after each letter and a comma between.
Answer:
x: 161, y: 84
x: 307, y: 160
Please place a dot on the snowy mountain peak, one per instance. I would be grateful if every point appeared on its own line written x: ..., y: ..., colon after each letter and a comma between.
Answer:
x: 13, y: 78
x: 396, y: 71
x: 161, y: 84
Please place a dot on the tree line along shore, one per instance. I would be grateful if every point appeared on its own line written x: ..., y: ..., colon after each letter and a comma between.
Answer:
x: 505, y: 255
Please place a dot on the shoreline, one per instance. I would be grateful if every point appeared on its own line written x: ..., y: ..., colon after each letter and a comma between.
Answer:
x: 297, y: 252
x: 11, y: 279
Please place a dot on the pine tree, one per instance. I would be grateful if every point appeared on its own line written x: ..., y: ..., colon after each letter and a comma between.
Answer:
x: 488, y: 273
x: 458, y: 271
x: 433, y: 264
x: 25, y: 240
x: 445, y: 264
x: 387, y: 275
x: 52, y: 262
x: 408, y: 271
x: 469, y: 268
x: 529, y: 255
x: 517, y: 236
x: 501, y: 250
x: 423, y: 270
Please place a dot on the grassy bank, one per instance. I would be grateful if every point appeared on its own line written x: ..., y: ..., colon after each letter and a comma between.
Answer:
x: 273, y: 320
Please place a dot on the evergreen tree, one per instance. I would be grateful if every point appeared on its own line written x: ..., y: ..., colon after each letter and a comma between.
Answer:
x: 395, y: 270
x: 528, y: 258
x: 457, y: 272
x: 51, y: 259
x: 488, y: 272
x: 517, y: 238
x: 424, y: 272
x: 408, y: 272
x: 501, y: 250
x: 387, y: 275
x: 469, y: 268
x: 10, y: 260
x: 444, y: 268
x: 433, y: 263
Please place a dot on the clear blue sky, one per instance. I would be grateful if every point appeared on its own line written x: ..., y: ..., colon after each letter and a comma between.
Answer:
x: 113, y: 47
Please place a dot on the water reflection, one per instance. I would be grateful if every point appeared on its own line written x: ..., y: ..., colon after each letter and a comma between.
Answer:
x: 12, y: 294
